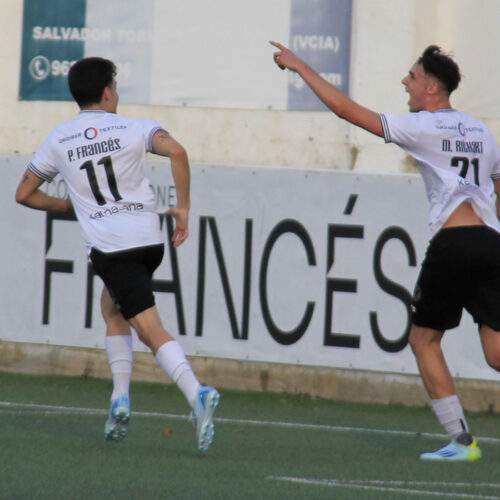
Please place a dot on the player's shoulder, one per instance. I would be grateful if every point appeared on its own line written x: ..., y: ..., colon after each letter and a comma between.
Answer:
x: 136, y: 124
x: 451, y: 120
x: 467, y: 124
x: 412, y: 122
x: 90, y: 124
x: 457, y: 117
x: 62, y: 132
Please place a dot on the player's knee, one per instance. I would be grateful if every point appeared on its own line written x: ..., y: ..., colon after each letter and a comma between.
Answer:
x: 110, y: 313
x: 490, y: 340
x: 424, y: 340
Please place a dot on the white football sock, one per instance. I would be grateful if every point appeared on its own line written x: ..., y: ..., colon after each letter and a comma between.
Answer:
x: 450, y: 415
x: 119, y: 349
x: 172, y: 359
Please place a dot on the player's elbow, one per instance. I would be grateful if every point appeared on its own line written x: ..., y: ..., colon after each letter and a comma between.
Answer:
x: 344, y: 113
x: 178, y: 151
x: 178, y: 155
x: 22, y: 197
x: 341, y: 107
x: 25, y: 196
x: 336, y: 107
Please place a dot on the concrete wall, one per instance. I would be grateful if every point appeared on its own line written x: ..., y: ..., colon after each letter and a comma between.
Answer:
x: 329, y: 383
x: 387, y: 37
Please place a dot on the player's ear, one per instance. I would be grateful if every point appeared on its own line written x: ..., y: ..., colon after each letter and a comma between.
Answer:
x: 106, y: 94
x: 434, y: 86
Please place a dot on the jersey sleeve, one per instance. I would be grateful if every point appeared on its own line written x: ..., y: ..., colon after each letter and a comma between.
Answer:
x: 44, y: 163
x: 149, y: 129
x: 495, y: 173
x: 402, y: 130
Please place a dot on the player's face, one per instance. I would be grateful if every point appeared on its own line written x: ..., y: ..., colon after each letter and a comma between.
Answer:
x: 415, y: 83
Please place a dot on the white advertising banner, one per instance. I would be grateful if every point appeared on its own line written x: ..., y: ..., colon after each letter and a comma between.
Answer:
x: 297, y: 266
x: 189, y: 53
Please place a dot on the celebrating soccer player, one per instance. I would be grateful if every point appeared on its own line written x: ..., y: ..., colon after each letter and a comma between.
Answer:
x: 459, y: 161
x: 102, y: 157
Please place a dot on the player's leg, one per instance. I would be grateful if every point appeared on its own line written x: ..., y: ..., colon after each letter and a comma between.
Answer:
x: 167, y: 351
x: 490, y: 340
x: 119, y: 351
x: 128, y: 277
x: 172, y: 359
x: 485, y: 301
x: 118, y: 345
x: 426, y: 345
x: 438, y: 303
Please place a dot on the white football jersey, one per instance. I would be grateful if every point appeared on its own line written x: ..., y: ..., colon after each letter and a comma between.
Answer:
x: 457, y: 157
x: 102, y: 157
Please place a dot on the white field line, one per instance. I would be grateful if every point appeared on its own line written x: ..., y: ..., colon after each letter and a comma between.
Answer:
x: 389, y: 486
x: 23, y: 408
x: 425, y: 483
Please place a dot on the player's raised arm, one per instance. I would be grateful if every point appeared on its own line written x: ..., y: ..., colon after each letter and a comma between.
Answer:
x: 165, y: 145
x: 335, y: 99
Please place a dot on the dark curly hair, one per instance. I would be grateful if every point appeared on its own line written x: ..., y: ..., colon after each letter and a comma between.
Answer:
x: 440, y: 65
x: 88, y: 77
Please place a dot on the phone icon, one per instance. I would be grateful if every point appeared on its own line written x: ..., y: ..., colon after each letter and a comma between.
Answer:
x: 39, y: 68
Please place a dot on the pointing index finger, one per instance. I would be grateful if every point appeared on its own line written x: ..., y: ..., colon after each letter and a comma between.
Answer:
x: 276, y: 44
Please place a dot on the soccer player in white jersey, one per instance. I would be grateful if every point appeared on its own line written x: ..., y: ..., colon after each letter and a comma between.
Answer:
x: 459, y: 161
x: 101, y: 157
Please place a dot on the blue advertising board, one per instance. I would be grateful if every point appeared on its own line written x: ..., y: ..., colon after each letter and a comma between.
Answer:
x: 320, y: 34
x: 52, y: 40
x: 56, y: 33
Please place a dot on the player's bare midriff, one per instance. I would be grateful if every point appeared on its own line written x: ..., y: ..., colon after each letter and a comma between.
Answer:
x: 464, y: 215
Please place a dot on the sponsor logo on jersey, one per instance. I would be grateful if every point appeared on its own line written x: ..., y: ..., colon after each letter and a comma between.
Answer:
x: 70, y: 138
x: 462, y: 129
x: 113, y: 209
x: 90, y: 133
x: 446, y: 127
x: 474, y: 129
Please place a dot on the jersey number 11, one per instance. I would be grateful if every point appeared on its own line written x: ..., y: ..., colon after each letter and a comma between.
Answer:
x: 88, y: 166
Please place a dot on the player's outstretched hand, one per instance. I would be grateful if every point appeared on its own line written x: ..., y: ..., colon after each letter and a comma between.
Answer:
x: 181, y: 232
x: 285, y: 58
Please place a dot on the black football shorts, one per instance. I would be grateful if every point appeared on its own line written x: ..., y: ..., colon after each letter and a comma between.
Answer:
x: 127, y: 275
x: 461, y: 270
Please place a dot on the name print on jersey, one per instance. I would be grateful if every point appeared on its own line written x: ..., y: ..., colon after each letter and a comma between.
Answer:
x: 462, y: 146
x: 95, y: 148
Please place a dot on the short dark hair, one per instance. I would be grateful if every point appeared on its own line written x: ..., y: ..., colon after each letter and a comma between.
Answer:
x: 88, y: 78
x: 440, y: 65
